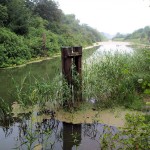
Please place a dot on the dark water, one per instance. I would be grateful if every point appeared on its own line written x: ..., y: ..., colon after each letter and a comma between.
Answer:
x: 51, y: 134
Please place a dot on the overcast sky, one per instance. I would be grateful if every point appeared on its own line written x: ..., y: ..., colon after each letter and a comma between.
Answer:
x: 109, y: 16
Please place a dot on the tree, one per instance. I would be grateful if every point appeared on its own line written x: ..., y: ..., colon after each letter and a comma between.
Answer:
x: 148, y: 34
x: 143, y: 35
x: 48, y: 10
x: 4, y: 2
x: 18, y: 16
x: 3, y: 15
x: 30, y: 4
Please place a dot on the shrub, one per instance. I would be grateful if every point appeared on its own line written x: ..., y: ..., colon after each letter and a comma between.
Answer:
x: 12, y: 48
x: 135, y: 135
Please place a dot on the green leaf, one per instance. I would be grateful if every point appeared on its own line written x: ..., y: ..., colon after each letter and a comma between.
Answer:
x: 147, y: 91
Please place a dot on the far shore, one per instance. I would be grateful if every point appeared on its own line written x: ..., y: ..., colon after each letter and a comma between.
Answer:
x: 108, y: 43
x: 36, y: 60
x: 115, y: 43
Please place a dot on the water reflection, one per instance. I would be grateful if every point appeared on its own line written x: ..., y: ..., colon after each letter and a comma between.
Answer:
x: 71, y: 135
x: 114, y: 48
x: 52, y: 134
x: 10, y: 78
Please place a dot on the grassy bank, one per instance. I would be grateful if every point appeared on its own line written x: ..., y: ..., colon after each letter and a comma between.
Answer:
x: 113, y: 80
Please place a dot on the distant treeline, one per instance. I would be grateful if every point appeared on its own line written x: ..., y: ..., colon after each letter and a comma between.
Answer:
x: 35, y: 28
x: 140, y: 35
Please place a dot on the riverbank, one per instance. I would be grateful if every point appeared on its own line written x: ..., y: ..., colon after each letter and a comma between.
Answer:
x: 112, y: 117
x: 36, y: 60
x: 40, y: 59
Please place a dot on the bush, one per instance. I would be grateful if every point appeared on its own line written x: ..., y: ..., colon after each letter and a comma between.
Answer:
x: 3, y: 15
x: 134, y: 136
x: 12, y: 48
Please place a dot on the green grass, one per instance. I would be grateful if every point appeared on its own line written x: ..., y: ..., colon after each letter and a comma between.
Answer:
x: 113, y: 80
x: 135, y: 135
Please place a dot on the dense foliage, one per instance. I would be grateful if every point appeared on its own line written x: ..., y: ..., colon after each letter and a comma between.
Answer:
x: 141, y: 35
x: 119, y: 37
x: 135, y: 135
x: 33, y: 28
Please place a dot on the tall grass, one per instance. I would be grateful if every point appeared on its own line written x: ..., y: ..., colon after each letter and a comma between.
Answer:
x: 42, y: 91
x: 113, y: 80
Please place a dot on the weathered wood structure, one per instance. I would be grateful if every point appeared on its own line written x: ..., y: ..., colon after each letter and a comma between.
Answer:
x: 72, y: 72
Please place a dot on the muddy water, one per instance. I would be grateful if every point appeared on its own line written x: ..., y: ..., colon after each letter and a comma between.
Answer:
x: 11, y: 78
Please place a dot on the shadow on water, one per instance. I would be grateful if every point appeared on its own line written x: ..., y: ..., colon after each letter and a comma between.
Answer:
x: 51, y: 134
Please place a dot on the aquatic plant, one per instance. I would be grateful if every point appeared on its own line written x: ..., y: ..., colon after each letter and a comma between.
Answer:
x: 34, y: 134
x: 112, y: 80
x: 5, y: 111
x: 135, y: 135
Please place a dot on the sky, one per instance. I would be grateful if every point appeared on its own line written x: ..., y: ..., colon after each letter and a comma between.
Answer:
x: 110, y: 16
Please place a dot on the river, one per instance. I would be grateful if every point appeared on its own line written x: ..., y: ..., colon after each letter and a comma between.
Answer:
x: 49, y: 133
x: 48, y: 69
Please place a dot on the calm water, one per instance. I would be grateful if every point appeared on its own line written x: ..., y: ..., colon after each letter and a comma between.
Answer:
x: 110, y: 48
x: 47, y: 70
x: 50, y: 133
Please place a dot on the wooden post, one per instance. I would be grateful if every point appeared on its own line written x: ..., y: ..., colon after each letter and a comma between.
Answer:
x: 72, y: 56
x: 66, y: 64
x: 67, y: 73
x: 78, y: 68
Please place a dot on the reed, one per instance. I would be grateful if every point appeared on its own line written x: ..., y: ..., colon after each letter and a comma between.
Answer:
x: 112, y: 80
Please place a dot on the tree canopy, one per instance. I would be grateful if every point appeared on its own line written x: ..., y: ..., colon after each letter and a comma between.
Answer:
x: 142, y: 34
x: 33, y: 28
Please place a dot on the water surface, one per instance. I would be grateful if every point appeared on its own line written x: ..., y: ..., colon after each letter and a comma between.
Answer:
x: 47, y: 70
x: 53, y: 135
x: 50, y: 133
